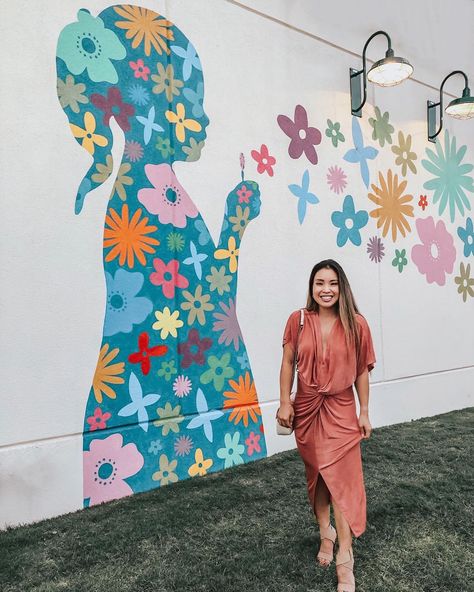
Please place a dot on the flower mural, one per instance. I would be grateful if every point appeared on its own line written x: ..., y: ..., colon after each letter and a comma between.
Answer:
x: 405, y: 155
x: 436, y: 254
x: 303, y: 137
x: 360, y: 154
x: 336, y: 179
x: 382, y: 128
x: 451, y: 179
x: 393, y: 205
x: 349, y: 222
x: 304, y: 196
x: 465, y: 282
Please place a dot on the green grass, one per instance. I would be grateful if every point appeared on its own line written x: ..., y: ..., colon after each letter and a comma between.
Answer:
x: 250, y: 528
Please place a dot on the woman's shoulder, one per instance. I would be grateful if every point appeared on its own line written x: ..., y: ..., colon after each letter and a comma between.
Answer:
x: 295, y: 315
x: 361, y: 320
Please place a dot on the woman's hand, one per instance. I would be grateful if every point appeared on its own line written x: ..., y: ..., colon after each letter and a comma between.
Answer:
x: 364, y: 426
x: 285, y: 415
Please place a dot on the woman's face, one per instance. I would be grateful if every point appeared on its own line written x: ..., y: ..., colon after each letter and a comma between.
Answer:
x: 326, y: 288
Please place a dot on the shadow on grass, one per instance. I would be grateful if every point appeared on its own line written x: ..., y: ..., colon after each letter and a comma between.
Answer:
x: 250, y: 527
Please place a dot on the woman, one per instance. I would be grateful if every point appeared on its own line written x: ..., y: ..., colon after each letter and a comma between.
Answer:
x: 335, y: 351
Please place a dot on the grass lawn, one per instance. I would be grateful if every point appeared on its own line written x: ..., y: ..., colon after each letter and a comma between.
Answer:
x: 250, y: 528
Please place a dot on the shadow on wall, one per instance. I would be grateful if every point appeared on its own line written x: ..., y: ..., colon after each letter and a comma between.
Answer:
x: 173, y: 394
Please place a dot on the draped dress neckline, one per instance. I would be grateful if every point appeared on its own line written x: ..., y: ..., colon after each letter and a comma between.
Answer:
x: 324, y: 348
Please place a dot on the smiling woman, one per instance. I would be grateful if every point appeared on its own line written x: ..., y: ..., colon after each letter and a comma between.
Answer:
x: 335, y: 352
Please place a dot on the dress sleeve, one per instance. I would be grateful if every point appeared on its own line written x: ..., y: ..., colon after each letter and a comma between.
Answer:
x: 291, y: 330
x: 366, y: 358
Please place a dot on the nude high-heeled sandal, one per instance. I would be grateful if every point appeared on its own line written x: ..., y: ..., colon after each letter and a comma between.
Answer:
x: 345, y: 558
x: 328, y: 532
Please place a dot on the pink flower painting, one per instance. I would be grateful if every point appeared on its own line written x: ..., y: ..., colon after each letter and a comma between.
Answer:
x: 336, y: 179
x: 106, y: 464
x: 168, y: 277
x: 436, y: 255
x: 167, y: 198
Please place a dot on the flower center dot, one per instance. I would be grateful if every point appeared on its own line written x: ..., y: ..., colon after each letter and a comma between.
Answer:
x: 434, y: 251
x: 302, y: 134
x: 88, y: 45
x: 105, y: 471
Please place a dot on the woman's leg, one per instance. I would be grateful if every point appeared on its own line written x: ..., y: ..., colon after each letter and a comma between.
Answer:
x: 322, y: 511
x: 344, y: 535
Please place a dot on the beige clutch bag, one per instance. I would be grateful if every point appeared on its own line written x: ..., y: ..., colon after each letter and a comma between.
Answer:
x: 283, y: 430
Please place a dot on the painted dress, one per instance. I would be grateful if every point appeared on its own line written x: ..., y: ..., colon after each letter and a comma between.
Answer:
x: 173, y: 394
x: 326, y: 425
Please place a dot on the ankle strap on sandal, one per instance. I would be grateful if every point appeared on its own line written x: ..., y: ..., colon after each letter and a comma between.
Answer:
x: 328, y: 532
x: 343, y: 557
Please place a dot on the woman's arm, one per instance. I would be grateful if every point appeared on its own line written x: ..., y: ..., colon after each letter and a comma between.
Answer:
x: 285, y: 412
x: 362, y: 388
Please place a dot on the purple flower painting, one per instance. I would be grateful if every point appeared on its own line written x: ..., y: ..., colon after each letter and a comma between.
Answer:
x: 303, y: 137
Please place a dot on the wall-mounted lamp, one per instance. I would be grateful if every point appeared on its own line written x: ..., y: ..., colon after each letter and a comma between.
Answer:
x: 460, y: 108
x: 389, y: 71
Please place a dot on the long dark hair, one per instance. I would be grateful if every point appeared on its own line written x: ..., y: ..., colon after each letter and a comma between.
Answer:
x: 346, y: 305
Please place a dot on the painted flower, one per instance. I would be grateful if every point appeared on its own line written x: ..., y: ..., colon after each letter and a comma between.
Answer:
x: 467, y: 237
x: 232, y: 450
x: 167, y: 199
x: 88, y: 44
x: 170, y: 419
x: 336, y: 179
x: 128, y: 238
x: 465, y: 282
x: 423, y: 202
x: 183, y: 445
x: 166, y: 473
x: 333, y: 131
x: 167, y: 322
x: 382, y: 129
x: 168, y: 277
x: 264, y: 160
x: 204, y: 236
x: 230, y: 253
x: 107, y: 373
x: 244, y: 194
x: 436, y: 255
x: 405, y: 156
x: 107, y: 464
x: 98, y: 421
x: 166, y: 82
x: 195, y: 97
x: 144, y: 353
x: 139, y: 403
x: 242, y: 400
x: 133, y: 150
x: 190, y: 59
x: 145, y: 26
x: 303, y: 137
x: 113, y: 106
x: 450, y: 177
x: 357, y: 220
x: 193, y: 349
x: 304, y: 196
x: 193, y: 151
x: 243, y: 360
x: 240, y: 220
x: 360, y: 154
x: 195, y: 259
x: 139, y: 69
x: 375, y: 249
x: 168, y: 370
x: 400, y: 259
x: 201, y: 464
x: 197, y: 304
x: 124, y: 307
x: 164, y: 146
x: 71, y: 94
x: 228, y: 324
x: 182, y: 386
x: 103, y: 170
x: 219, y: 371
x: 89, y: 138
x: 182, y: 124
x: 121, y: 180
x: 138, y: 94
x: 394, y: 205
x: 204, y: 417
x: 252, y: 443
x: 155, y: 447
x: 175, y: 241
x: 149, y: 124
x: 218, y: 280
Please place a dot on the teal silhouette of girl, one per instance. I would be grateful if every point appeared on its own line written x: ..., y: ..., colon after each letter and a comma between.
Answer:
x: 173, y: 394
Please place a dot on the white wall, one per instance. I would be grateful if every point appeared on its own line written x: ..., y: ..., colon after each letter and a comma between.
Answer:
x: 259, y: 60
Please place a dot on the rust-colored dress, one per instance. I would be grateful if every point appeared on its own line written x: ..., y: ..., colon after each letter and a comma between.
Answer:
x: 326, y: 426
